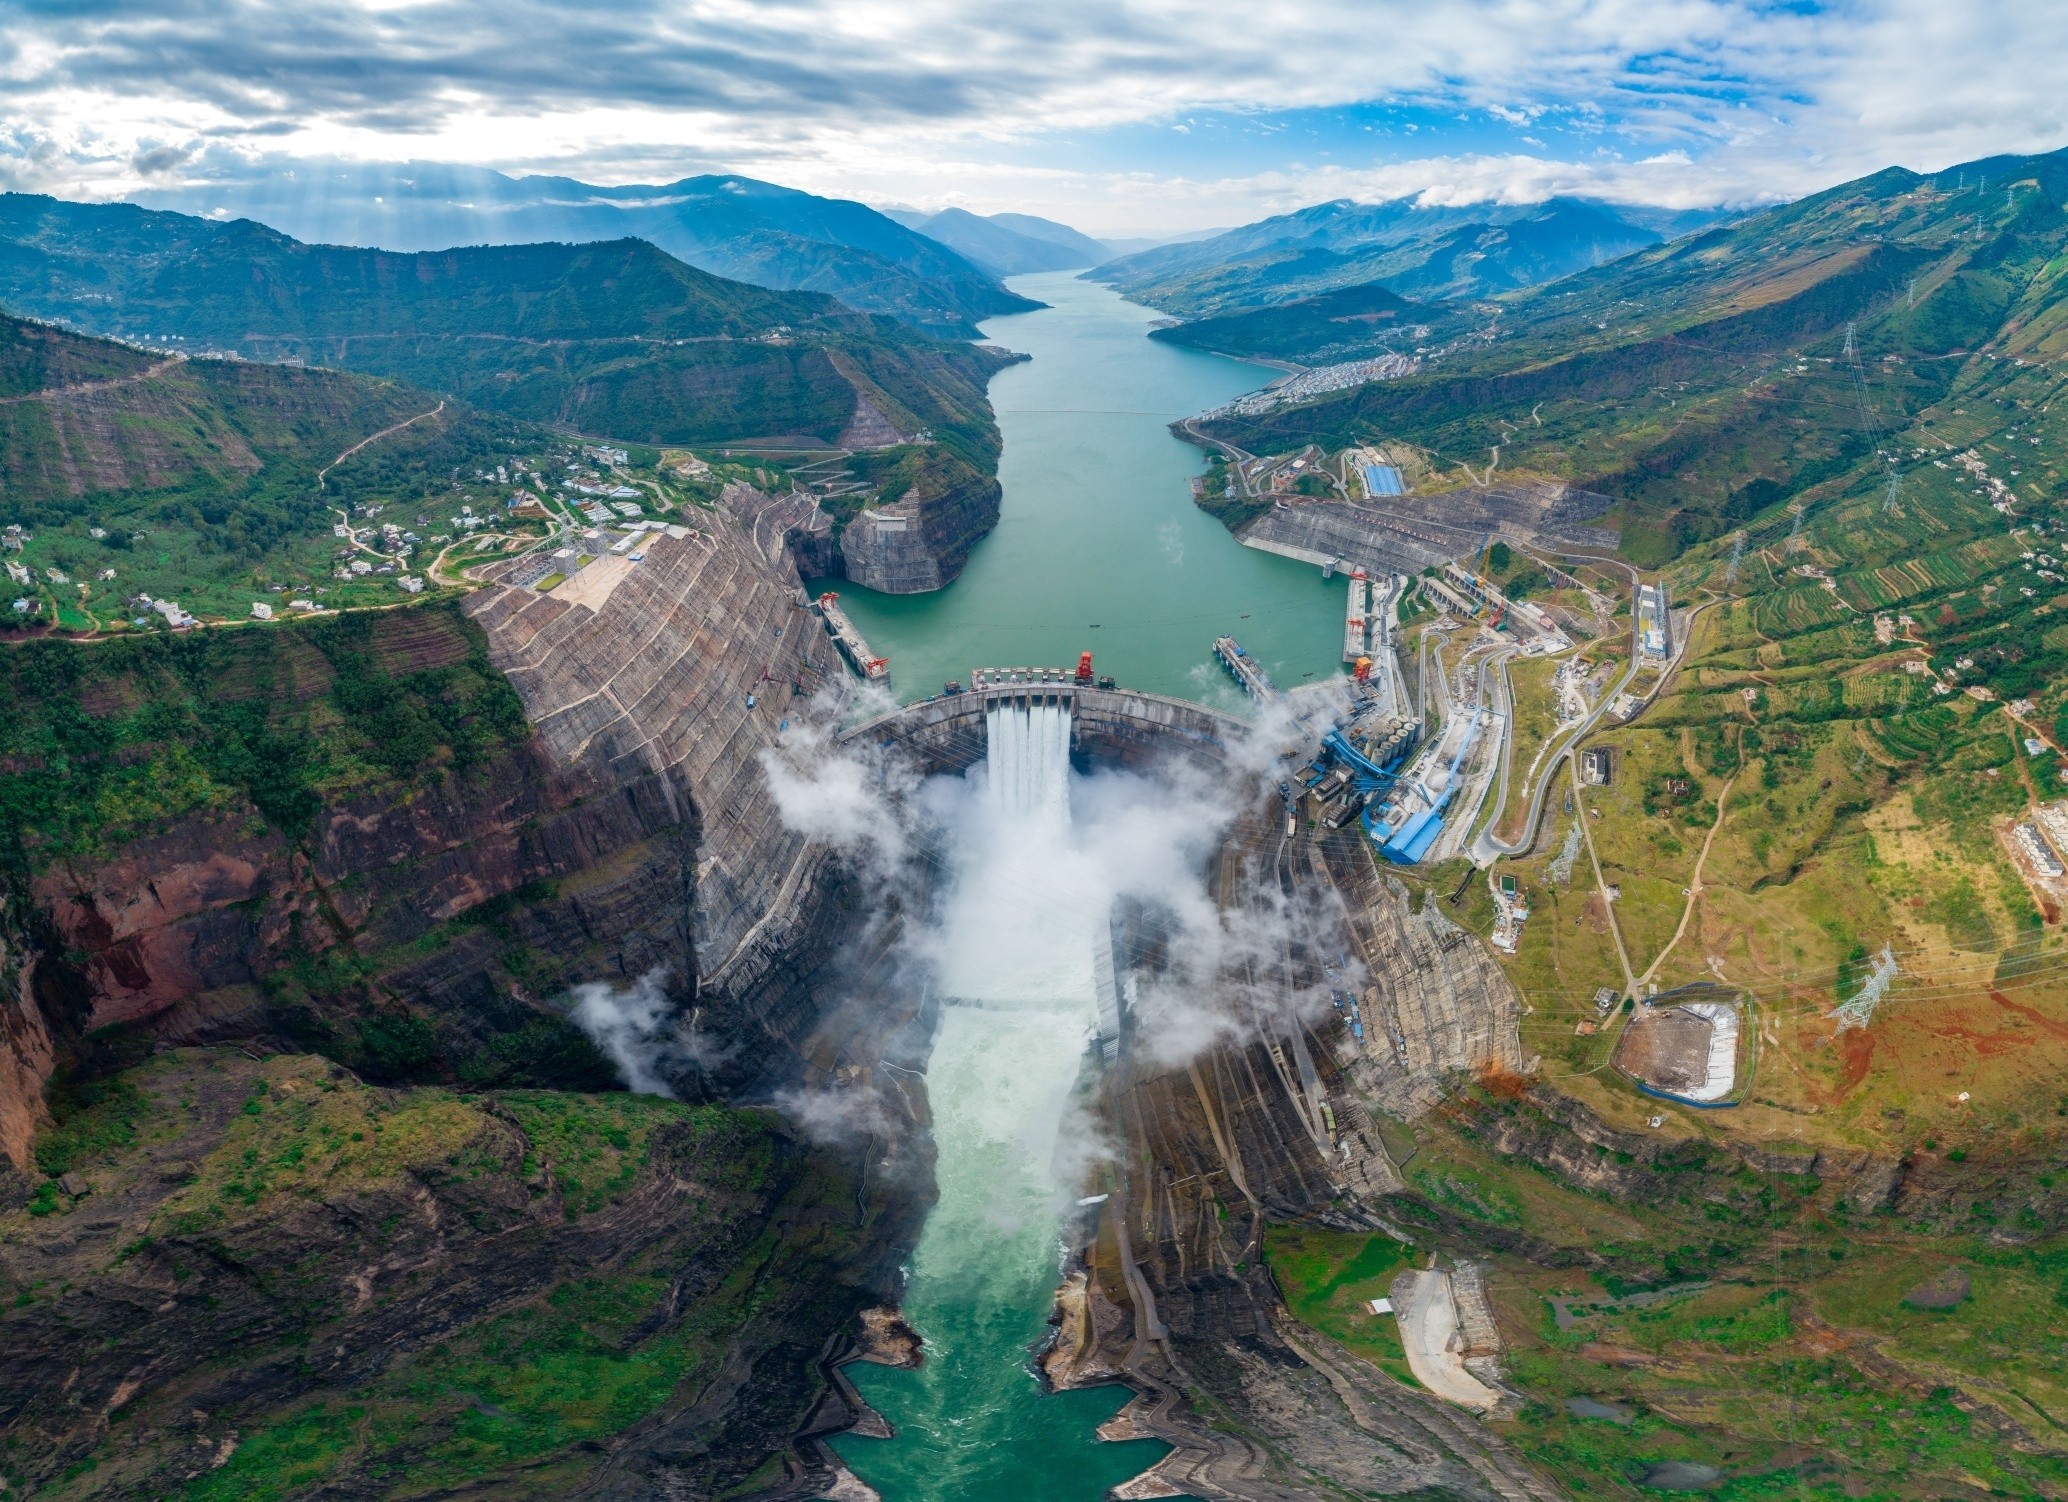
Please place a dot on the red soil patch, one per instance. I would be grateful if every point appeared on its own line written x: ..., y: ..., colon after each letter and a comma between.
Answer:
x: 2031, y: 1014
x: 1502, y: 1084
x: 1855, y: 1053
x: 1985, y: 1045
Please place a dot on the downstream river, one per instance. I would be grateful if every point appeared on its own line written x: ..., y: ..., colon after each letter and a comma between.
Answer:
x: 1099, y: 546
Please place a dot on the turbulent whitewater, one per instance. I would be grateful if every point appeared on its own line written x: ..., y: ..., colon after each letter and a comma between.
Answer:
x: 1013, y: 954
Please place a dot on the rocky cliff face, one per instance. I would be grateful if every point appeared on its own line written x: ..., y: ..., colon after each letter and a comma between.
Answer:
x: 263, y: 1279
x: 653, y: 684
x: 414, y: 902
x: 1282, y: 1124
x: 920, y: 541
x: 629, y: 833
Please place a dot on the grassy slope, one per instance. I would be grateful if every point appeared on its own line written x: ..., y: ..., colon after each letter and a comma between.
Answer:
x: 1783, y: 1354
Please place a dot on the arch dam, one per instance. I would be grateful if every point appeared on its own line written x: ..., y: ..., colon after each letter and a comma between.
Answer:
x: 1109, y: 727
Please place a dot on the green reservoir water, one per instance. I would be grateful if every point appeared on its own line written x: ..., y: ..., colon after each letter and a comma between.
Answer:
x: 1098, y: 544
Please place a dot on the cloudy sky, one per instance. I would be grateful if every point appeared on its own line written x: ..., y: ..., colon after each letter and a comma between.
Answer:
x: 1134, y: 117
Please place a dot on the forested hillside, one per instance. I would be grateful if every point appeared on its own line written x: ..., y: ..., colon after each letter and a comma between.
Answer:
x: 618, y: 339
x: 733, y: 226
x: 1707, y: 381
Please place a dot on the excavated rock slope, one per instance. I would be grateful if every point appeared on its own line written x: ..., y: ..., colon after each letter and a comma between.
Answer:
x: 1280, y: 1124
x: 654, y: 684
x: 918, y: 543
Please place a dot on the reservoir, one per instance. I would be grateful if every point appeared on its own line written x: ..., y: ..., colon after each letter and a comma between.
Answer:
x: 1098, y: 546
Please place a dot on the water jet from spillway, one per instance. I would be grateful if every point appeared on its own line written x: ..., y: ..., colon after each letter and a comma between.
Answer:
x: 1013, y: 953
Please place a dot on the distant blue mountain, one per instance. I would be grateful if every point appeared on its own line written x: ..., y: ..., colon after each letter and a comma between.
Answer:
x: 1007, y: 244
x: 1426, y: 253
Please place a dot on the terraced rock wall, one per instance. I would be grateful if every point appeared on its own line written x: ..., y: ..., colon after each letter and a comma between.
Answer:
x: 629, y: 833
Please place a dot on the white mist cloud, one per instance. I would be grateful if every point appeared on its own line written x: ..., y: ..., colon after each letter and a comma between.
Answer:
x: 627, y: 1026
x: 835, y: 1115
x: 851, y: 797
x: 642, y: 1031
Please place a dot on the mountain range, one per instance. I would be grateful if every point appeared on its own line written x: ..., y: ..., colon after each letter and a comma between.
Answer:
x: 736, y: 227
x: 1472, y: 251
x: 615, y: 338
x: 1007, y: 244
x: 1708, y: 381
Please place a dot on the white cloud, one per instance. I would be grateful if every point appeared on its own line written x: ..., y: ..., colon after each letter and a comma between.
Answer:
x: 990, y: 101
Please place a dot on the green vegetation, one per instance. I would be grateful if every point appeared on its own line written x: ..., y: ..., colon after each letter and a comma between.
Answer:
x: 735, y: 227
x: 1748, y: 1322
x: 1706, y: 382
x: 220, y: 482
x: 596, y: 1144
x: 105, y: 743
x: 1727, y: 1376
x: 203, y: 488
x: 616, y: 339
x: 1329, y: 1278
x: 575, y: 1342
x: 1355, y: 322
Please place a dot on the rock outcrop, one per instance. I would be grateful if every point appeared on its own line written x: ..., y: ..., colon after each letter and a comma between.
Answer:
x: 1437, y: 1005
x: 630, y: 833
x: 288, y: 1275
x: 918, y: 544
x: 423, y: 926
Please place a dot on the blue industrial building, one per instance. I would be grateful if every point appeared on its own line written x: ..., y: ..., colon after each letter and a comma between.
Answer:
x: 1381, y: 479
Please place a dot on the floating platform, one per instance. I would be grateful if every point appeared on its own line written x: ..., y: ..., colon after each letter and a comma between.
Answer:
x: 1254, y: 680
x: 1356, y: 624
x: 853, y: 645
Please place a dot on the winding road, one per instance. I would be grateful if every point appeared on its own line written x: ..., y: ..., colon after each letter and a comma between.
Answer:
x: 376, y: 438
x: 1488, y: 848
x: 87, y: 388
